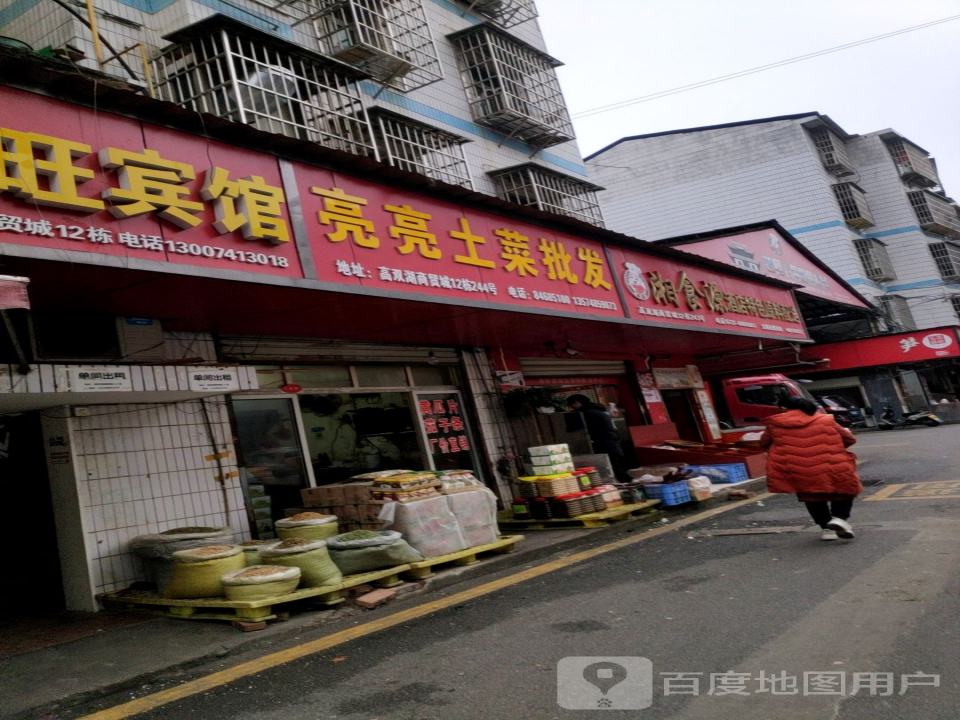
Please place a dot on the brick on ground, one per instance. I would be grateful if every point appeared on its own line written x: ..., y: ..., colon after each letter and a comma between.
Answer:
x: 376, y: 598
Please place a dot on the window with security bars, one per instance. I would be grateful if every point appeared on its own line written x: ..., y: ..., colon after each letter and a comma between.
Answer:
x: 506, y: 13
x: 876, y: 261
x: 388, y: 39
x: 833, y: 154
x: 915, y: 166
x: 853, y: 205
x: 935, y: 213
x: 512, y: 87
x: 419, y: 148
x: 252, y: 80
x: 955, y: 301
x: 897, y: 312
x: 947, y: 258
x: 534, y: 186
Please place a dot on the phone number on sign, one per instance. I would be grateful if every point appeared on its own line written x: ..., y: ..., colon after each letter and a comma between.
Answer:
x: 95, y: 235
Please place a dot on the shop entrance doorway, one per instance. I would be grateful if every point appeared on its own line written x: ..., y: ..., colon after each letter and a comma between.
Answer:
x: 32, y: 575
x: 680, y: 408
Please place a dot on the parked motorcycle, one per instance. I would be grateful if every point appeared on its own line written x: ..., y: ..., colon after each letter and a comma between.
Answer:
x: 888, y: 421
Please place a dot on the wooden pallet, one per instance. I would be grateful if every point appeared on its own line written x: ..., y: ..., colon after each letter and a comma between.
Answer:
x: 251, y: 611
x: 590, y: 520
x: 424, y: 568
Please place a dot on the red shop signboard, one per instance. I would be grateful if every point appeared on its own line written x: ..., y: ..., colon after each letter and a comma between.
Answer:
x: 907, y: 347
x: 74, y: 179
x: 381, y: 238
x: 685, y: 295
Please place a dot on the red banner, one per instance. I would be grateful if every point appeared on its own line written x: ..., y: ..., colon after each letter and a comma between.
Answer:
x: 374, y: 236
x: 897, y: 349
x: 686, y: 295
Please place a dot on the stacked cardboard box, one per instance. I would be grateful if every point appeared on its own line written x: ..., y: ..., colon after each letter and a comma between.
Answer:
x: 352, y: 503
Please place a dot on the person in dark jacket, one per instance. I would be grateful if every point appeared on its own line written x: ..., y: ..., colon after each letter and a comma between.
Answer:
x: 600, y: 428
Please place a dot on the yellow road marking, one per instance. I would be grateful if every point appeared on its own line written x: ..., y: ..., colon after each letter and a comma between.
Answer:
x: 282, y: 657
x: 885, y: 492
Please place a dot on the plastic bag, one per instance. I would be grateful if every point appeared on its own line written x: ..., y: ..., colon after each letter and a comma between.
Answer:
x: 700, y: 482
x: 476, y: 513
x: 428, y: 525
x: 197, y: 572
x: 258, y: 582
x: 371, y: 551
x: 312, y: 557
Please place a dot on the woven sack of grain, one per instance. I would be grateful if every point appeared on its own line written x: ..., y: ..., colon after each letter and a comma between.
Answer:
x: 251, y: 550
x: 197, y: 571
x: 259, y: 582
x: 364, y: 551
x: 307, y: 525
x: 156, y: 550
x: 311, y: 556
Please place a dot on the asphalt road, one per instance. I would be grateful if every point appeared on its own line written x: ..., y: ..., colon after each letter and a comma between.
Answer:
x: 740, y: 613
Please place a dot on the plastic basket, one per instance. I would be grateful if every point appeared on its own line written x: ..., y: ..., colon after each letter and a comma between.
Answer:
x: 675, y: 493
x: 721, y: 473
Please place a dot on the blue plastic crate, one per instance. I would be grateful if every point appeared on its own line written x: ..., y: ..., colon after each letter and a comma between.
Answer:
x: 675, y: 493
x: 721, y: 473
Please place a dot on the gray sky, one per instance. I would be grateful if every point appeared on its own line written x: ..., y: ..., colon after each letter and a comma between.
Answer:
x: 620, y: 49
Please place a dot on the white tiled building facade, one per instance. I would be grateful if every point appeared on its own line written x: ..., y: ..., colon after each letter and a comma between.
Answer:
x: 896, y: 238
x: 461, y: 91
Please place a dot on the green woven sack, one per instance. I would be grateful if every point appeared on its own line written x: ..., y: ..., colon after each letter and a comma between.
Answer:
x: 311, y: 556
x: 363, y: 551
x: 197, y: 572
x: 259, y: 582
x: 307, y: 525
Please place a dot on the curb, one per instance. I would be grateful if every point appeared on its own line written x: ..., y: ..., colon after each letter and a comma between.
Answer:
x: 308, y: 621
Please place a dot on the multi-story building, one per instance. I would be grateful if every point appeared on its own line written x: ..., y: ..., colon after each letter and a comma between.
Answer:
x: 871, y: 206
x: 464, y: 93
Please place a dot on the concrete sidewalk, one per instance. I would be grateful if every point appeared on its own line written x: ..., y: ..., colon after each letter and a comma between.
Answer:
x: 34, y: 683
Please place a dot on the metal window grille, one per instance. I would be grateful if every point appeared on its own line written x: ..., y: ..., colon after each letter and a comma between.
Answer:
x: 546, y: 190
x: 256, y: 83
x: 420, y: 148
x: 505, y: 13
x: 934, y: 213
x: 853, y: 205
x: 876, y: 261
x: 898, y: 313
x: 512, y: 87
x: 388, y: 39
x: 832, y: 151
x: 955, y: 301
x: 947, y: 258
x: 915, y: 166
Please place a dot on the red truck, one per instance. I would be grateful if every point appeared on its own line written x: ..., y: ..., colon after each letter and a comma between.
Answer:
x: 746, y: 401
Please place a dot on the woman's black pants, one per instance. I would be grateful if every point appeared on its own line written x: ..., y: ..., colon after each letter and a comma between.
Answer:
x: 822, y: 511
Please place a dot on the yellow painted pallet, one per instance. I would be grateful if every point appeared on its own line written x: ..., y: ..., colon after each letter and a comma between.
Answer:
x: 590, y: 520
x: 424, y: 568
x: 251, y: 611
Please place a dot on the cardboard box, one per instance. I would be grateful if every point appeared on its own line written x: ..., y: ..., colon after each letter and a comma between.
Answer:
x: 357, y: 493
x: 702, y: 494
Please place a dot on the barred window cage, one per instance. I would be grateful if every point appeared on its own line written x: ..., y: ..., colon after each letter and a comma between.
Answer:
x: 935, y: 213
x: 512, y: 87
x: 853, y: 205
x: 955, y: 301
x: 506, y: 13
x: 876, y: 261
x: 535, y: 186
x: 388, y: 39
x: 833, y: 153
x: 420, y: 148
x: 916, y: 167
x: 218, y: 68
x: 947, y: 257
x: 897, y: 312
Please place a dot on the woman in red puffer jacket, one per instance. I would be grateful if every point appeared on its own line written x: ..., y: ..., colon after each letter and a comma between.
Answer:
x: 808, y: 456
